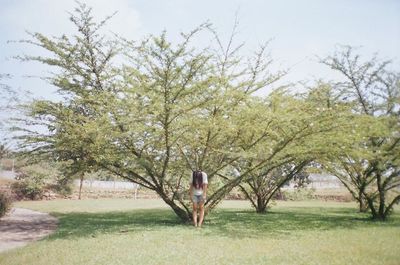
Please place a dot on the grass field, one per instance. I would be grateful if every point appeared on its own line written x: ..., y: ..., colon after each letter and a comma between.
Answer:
x: 147, y: 232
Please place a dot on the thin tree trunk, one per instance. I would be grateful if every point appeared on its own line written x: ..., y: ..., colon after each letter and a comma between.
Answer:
x: 362, y: 202
x: 372, y: 207
x: 80, y: 186
x: 248, y: 196
x: 381, y: 210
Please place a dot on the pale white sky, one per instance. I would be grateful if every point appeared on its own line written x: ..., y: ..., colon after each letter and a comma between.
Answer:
x: 299, y: 29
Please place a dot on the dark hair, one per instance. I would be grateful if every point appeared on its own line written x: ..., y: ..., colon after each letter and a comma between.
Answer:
x: 197, y: 179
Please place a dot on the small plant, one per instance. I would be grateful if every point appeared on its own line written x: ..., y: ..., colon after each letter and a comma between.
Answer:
x: 299, y: 194
x: 63, y: 185
x: 5, y: 203
x: 27, y: 189
x: 33, y: 180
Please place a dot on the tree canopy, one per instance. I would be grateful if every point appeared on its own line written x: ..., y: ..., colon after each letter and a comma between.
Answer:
x: 152, y: 111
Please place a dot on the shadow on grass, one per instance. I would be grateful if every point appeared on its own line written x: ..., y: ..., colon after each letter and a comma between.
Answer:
x: 241, y: 224
x: 91, y: 224
x: 229, y: 223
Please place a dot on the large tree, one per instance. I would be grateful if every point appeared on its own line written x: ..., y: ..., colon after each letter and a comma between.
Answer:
x: 169, y: 109
x: 372, y: 170
x: 177, y: 110
x: 298, y: 132
x: 346, y: 143
x: 83, y: 72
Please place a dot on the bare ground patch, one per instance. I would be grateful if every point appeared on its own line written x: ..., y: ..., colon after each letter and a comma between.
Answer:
x: 22, y: 226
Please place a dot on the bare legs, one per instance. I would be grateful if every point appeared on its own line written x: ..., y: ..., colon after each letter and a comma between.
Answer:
x: 194, y: 214
x: 198, y: 206
x: 201, y: 217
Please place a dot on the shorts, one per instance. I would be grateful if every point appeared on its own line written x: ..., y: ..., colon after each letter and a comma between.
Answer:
x: 198, y: 199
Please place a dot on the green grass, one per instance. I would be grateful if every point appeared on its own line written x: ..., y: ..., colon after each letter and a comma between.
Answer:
x: 147, y: 232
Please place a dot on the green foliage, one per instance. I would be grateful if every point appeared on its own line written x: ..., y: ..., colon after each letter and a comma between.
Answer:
x: 370, y: 167
x: 8, y: 99
x: 300, y: 194
x: 170, y: 108
x: 3, y: 151
x: 34, y: 179
x: 293, y: 132
x: 5, y: 203
x: 63, y: 185
x: 7, y: 158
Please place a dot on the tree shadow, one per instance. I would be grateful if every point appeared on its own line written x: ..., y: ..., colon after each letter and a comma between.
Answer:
x: 241, y: 224
x: 225, y: 222
x: 73, y: 225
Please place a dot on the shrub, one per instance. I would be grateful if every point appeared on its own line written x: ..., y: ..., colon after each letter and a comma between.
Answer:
x: 5, y: 203
x: 37, y: 179
x: 28, y: 189
x: 33, y: 179
x: 299, y: 194
x: 63, y: 186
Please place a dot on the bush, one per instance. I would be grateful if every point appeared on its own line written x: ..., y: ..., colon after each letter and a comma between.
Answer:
x: 299, y: 194
x: 27, y: 189
x: 36, y: 180
x: 5, y: 203
x: 63, y: 186
x: 33, y: 180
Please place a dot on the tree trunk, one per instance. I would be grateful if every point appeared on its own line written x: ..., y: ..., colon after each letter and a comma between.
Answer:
x: 381, y: 209
x: 363, y: 205
x: 181, y: 213
x: 382, y: 206
x: 376, y: 214
x: 261, y: 205
x: 80, y: 186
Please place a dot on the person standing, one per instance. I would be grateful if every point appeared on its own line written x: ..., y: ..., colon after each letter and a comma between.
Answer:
x: 198, y: 195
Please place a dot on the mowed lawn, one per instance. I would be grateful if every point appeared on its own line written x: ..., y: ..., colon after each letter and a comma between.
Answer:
x: 147, y: 232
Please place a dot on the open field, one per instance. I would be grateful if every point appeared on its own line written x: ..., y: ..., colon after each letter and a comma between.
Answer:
x: 146, y: 232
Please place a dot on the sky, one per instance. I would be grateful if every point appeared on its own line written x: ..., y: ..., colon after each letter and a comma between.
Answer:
x: 299, y: 30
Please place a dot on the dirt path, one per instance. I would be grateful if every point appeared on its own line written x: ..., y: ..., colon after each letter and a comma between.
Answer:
x: 22, y: 226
